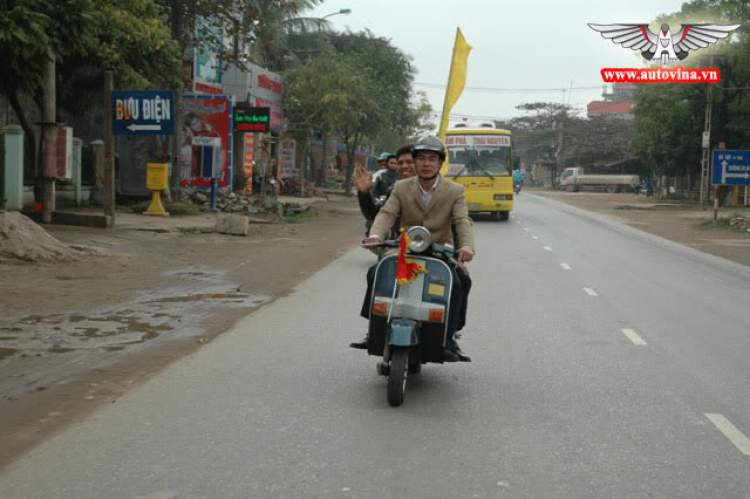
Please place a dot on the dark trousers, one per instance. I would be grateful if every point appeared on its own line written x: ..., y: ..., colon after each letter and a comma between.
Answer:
x: 458, y: 304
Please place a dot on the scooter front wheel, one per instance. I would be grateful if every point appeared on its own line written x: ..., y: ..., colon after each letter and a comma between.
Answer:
x: 397, y: 376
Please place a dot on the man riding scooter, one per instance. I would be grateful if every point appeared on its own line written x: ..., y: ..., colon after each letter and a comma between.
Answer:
x: 430, y: 201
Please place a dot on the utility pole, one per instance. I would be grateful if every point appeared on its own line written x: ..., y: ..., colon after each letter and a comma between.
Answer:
x: 558, y: 152
x: 109, y: 149
x: 49, y: 149
x: 706, y: 161
x: 174, y: 163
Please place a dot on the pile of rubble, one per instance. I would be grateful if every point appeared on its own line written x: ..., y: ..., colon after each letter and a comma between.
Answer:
x: 742, y: 223
x: 231, y: 202
x: 226, y: 201
x: 23, y: 240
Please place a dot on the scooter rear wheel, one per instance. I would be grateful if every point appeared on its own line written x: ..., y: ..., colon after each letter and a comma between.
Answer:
x: 397, y: 376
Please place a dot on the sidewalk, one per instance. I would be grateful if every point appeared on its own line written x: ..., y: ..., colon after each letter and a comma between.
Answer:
x: 204, y: 221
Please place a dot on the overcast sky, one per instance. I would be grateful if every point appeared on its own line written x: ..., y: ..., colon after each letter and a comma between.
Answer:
x: 517, y: 45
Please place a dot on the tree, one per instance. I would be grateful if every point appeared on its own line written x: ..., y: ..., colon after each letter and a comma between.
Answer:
x: 386, y: 105
x: 275, y: 29
x: 28, y: 28
x: 669, y: 116
x: 85, y: 36
x: 307, y: 95
x: 257, y: 28
x: 132, y: 40
x: 535, y: 133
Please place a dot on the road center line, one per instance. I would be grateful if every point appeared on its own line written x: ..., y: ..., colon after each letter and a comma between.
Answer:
x: 526, y: 229
x: 534, y: 237
x: 590, y: 292
x: 731, y: 432
x: 633, y: 336
x: 565, y: 266
x: 547, y: 248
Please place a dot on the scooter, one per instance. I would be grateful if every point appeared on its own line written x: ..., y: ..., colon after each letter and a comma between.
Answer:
x: 409, y: 323
x: 517, y: 188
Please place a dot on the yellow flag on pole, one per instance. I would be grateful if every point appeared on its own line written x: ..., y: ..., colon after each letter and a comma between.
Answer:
x: 456, y: 80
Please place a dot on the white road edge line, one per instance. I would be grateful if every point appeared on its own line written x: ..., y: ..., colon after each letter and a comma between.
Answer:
x: 547, y: 248
x: 565, y: 266
x: 731, y: 432
x: 633, y: 336
x: 590, y: 292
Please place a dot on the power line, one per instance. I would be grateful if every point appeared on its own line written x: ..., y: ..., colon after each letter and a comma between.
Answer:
x: 511, y: 90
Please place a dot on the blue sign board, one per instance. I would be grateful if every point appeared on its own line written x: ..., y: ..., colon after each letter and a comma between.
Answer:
x: 148, y: 112
x: 731, y: 168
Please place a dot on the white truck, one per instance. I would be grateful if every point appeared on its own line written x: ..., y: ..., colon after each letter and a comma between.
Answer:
x: 574, y: 180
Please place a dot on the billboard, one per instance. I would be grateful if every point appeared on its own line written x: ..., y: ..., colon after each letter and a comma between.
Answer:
x: 206, y: 116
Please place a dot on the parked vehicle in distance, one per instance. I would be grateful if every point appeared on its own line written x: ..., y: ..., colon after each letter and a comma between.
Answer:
x: 574, y: 180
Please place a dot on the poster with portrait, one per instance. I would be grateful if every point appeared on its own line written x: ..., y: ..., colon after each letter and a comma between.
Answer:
x: 205, y: 116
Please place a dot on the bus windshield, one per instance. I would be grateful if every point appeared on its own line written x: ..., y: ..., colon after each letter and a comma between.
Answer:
x: 478, y: 155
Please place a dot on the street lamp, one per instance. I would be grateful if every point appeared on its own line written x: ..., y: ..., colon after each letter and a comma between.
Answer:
x: 342, y: 11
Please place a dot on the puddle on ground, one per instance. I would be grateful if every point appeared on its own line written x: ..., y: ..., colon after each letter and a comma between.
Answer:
x: 199, y: 273
x: 149, y: 317
x: 7, y: 352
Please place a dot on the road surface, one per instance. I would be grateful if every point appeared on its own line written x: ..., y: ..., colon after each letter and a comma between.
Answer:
x: 607, y: 363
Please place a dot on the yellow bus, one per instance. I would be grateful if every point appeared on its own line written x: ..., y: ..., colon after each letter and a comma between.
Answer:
x: 480, y: 158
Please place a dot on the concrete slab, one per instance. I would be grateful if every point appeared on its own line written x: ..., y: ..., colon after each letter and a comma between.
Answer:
x: 237, y: 225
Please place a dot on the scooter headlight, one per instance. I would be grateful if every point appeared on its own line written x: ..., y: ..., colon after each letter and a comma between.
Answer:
x: 419, y: 239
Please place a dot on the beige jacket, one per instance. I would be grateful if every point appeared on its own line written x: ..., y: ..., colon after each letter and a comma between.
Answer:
x: 448, y: 204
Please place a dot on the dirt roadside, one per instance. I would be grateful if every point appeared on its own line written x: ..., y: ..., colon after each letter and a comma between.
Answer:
x: 77, y: 335
x: 677, y: 222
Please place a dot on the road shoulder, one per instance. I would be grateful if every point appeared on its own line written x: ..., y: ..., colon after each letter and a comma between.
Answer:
x: 679, y: 223
x: 79, y: 335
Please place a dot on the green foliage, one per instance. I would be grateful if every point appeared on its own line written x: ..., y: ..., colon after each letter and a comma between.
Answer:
x: 132, y: 41
x: 669, y: 116
x: 29, y: 27
x: 734, y: 223
x: 360, y: 90
x: 668, y: 128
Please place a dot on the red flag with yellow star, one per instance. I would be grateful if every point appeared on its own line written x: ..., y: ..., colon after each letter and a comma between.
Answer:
x: 406, y: 270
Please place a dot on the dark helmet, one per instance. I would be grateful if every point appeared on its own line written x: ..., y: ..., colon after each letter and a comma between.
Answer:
x: 432, y: 144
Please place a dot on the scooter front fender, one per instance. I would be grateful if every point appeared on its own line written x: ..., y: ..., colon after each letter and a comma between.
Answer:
x: 403, y: 333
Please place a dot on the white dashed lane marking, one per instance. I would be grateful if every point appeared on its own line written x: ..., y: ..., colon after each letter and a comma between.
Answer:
x: 590, y: 292
x: 731, y: 432
x: 547, y: 248
x: 526, y: 229
x: 633, y: 336
x: 565, y: 266
x: 534, y: 237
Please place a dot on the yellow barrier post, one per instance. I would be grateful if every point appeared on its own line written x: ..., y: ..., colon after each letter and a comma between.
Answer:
x: 156, y: 180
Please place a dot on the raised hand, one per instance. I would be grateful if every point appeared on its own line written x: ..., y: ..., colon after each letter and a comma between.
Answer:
x: 362, y: 180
